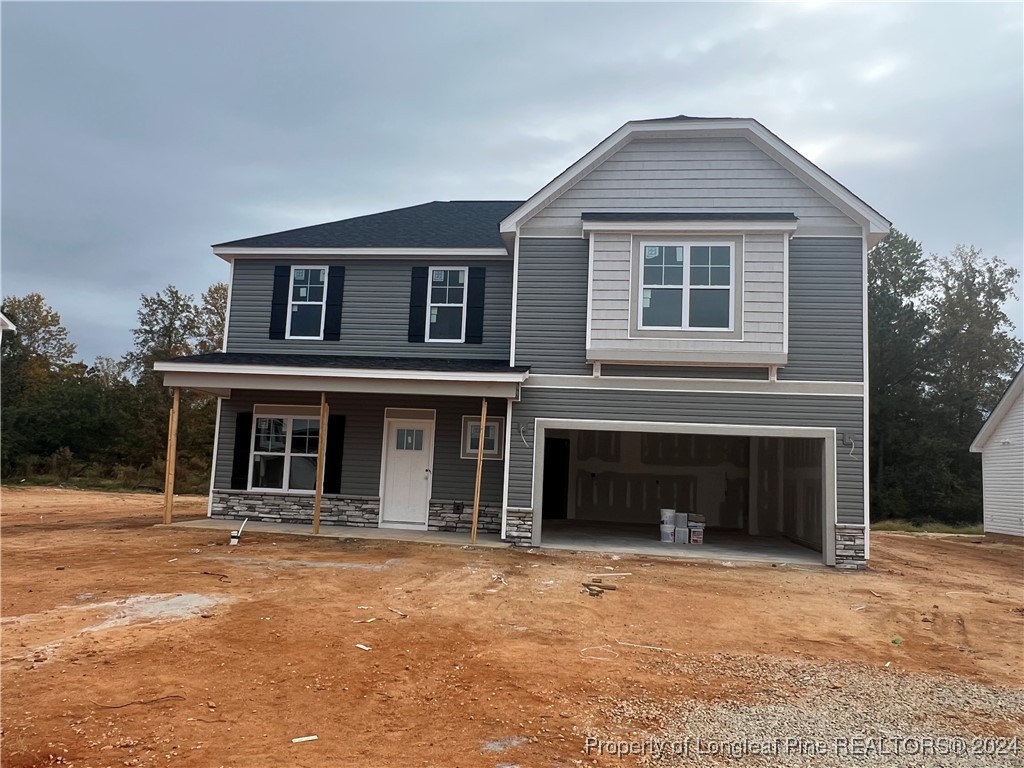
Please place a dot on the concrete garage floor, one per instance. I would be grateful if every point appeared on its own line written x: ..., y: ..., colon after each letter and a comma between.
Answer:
x: 643, y: 539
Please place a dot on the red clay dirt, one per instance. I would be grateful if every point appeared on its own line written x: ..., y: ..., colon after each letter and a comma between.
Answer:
x: 129, y: 644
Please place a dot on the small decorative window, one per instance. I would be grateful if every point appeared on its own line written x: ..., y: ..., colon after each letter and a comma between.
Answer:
x: 409, y: 439
x: 306, y: 303
x: 493, y: 436
x: 446, y: 304
x: 686, y: 286
x: 284, y: 453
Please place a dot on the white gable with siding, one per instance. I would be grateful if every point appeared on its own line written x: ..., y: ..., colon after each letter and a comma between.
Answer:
x: 1001, y: 445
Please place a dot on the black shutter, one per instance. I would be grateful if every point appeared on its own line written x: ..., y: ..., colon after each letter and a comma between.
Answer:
x: 335, y: 293
x: 279, y: 302
x: 418, y: 306
x: 240, y: 458
x: 475, y: 306
x: 332, y: 457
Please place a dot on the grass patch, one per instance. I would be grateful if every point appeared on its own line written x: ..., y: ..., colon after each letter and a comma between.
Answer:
x: 927, y: 526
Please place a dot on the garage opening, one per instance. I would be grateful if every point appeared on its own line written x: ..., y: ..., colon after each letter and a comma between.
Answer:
x: 753, y: 497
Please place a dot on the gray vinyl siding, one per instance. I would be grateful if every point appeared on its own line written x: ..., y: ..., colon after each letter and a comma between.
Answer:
x: 843, y: 413
x: 1002, y: 462
x: 453, y: 476
x: 686, y: 175
x: 375, y: 310
x: 684, y: 372
x: 551, y: 315
x: 826, y: 282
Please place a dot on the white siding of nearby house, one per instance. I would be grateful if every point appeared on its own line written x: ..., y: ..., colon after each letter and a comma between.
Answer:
x: 1003, y: 474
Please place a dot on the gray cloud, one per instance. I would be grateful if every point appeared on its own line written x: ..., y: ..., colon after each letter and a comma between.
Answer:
x: 137, y: 134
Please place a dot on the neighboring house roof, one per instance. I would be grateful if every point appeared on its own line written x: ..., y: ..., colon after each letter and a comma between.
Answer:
x: 1003, y: 407
x: 5, y: 324
x: 359, y: 362
x: 683, y: 125
x: 455, y: 224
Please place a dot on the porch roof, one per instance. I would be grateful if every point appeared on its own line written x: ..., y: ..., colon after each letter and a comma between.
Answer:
x: 221, y: 372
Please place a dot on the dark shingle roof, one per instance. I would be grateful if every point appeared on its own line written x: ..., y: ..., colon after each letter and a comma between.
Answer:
x: 455, y: 224
x: 438, y: 364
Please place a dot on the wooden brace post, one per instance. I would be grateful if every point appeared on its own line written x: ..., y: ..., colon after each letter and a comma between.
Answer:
x: 479, y: 469
x: 321, y: 451
x: 172, y: 454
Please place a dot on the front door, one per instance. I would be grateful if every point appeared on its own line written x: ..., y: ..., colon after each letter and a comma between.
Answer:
x: 408, y: 459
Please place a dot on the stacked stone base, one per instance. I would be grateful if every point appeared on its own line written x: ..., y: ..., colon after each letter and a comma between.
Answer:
x: 357, y: 511
x: 519, y: 526
x: 850, y: 547
x: 446, y: 516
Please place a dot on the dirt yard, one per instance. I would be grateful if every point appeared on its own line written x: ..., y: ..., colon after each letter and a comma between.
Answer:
x: 127, y: 644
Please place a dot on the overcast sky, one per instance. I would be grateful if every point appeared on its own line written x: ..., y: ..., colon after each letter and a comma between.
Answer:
x: 137, y: 134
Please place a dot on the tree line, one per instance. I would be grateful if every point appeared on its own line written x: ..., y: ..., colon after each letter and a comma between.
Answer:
x: 941, y: 352
x: 105, y: 424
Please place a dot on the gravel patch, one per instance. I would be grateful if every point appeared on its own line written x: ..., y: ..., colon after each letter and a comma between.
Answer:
x: 760, y: 712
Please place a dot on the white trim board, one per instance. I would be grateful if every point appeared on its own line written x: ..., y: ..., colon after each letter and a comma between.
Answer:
x: 223, y: 383
x: 228, y: 253
x: 341, y: 373
x: 829, y: 460
x: 720, y: 386
x: 685, y: 228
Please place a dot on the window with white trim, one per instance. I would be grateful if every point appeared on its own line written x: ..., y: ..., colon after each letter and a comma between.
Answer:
x: 446, y: 304
x: 687, y: 286
x: 284, y: 453
x: 494, y: 442
x: 306, y: 298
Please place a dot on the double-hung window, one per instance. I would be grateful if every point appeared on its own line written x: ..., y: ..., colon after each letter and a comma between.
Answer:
x: 446, y: 304
x: 493, y: 437
x: 307, y: 293
x: 284, y: 453
x: 687, y: 286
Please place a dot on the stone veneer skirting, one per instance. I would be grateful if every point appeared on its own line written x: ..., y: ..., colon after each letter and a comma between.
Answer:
x: 443, y: 517
x: 519, y: 526
x: 359, y: 511
x: 850, y: 547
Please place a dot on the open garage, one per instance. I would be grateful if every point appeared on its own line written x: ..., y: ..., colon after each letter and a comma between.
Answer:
x: 761, y: 493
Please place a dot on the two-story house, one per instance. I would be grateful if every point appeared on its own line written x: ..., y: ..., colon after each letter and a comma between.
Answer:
x: 676, y: 321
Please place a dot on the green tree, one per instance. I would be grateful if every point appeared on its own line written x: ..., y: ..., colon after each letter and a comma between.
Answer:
x: 974, y: 354
x: 899, y: 328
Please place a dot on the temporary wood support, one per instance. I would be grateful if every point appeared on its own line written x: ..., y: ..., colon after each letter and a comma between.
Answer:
x: 172, y: 455
x: 321, y: 452
x: 479, y: 468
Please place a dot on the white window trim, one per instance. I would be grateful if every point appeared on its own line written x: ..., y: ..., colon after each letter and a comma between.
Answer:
x: 499, y: 439
x: 286, y: 478
x: 430, y: 304
x: 291, y: 303
x: 686, y: 287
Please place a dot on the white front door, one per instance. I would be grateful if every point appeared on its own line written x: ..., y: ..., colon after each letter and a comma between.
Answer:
x: 408, y: 458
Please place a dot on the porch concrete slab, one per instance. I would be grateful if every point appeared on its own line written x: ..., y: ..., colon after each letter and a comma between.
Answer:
x: 719, y: 546
x: 343, y: 532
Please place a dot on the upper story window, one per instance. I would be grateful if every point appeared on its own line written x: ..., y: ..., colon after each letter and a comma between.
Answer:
x: 687, y: 286
x: 446, y: 304
x: 306, y: 298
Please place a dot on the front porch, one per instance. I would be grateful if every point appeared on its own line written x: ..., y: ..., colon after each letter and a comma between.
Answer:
x: 413, y: 444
